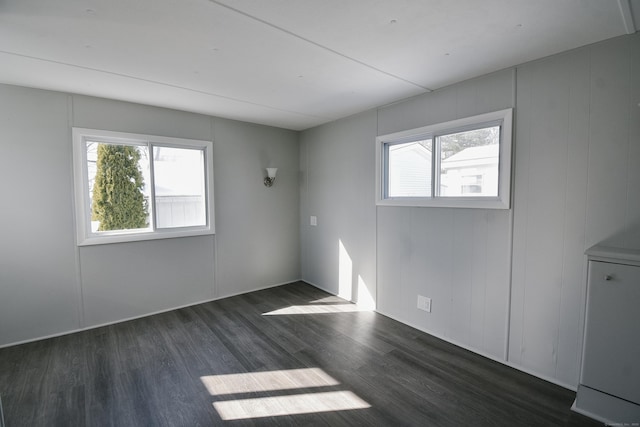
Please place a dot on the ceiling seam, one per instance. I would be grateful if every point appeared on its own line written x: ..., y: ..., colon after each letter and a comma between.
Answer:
x: 321, y: 46
x: 82, y: 67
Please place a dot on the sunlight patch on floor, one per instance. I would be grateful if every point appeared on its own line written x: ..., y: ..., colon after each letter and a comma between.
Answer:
x: 289, y: 405
x: 317, y: 309
x: 276, y: 381
x: 252, y: 382
x: 332, y: 299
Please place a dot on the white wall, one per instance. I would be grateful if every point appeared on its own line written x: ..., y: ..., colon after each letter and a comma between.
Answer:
x: 256, y: 226
x: 516, y: 289
x: 336, y: 186
x: 38, y: 282
x: 415, y: 246
x: 456, y: 257
x: 50, y: 286
x: 577, y: 183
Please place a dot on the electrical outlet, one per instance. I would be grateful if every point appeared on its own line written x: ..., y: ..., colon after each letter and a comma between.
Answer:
x: 424, y: 303
x: 313, y: 220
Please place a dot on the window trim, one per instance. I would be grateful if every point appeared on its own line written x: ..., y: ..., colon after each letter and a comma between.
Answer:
x: 502, y: 201
x: 84, y: 236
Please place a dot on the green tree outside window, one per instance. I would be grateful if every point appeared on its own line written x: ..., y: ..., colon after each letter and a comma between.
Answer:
x: 118, y: 197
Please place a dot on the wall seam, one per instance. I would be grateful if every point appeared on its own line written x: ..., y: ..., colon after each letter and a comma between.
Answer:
x: 375, y: 206
x: 214, y: 244
x: 630, y: 106
x: 526, y: 234
x: 514, y: 143
x: 305, y: 209
x: 485, y: 280
x: 78, y: 262
x: 585, y: 266
x: 564, y: 234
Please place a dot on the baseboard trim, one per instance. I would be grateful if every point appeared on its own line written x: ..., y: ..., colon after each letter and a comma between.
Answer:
x: 258, y: 289
x: 606, y: 408
x: 449, y: 340
x: 153, y: 313
x: 591, y: 415
x: 466, y: 347
x: 484, y: 354
x: 322, y: 288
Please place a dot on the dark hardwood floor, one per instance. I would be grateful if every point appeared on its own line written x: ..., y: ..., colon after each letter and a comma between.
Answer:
x: 227, y: 363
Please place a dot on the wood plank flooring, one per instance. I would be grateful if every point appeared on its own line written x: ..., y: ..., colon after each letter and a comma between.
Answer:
x: 228, y: 363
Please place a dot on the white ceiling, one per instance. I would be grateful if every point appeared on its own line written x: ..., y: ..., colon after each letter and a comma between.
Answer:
x: 287, y: 63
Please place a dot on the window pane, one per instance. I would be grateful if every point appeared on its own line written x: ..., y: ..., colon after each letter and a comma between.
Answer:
x: 179, y: 176
x: 409, y: 169
x: 469, y: 163
x: 119, y: 196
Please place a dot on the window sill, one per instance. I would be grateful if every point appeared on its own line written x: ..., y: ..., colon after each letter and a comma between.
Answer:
x: 449, y: 202
x: 135, y: 236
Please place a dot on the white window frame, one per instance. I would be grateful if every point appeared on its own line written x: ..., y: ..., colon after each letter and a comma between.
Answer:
x: 503, y: 201
x: 84, y: 235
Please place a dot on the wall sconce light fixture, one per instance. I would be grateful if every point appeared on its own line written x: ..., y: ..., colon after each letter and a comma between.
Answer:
x: 271, y: 176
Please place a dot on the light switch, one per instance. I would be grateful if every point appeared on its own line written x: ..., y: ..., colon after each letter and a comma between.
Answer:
x: 313, y: 220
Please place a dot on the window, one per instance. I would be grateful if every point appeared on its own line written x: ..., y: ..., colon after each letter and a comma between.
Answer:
x: 464, y: 163
x: 133, y: 187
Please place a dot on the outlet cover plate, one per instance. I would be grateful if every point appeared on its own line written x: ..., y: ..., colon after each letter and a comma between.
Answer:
x: 424, y: 303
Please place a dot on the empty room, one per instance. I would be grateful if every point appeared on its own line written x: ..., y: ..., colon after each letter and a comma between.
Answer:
x: 299, y: 212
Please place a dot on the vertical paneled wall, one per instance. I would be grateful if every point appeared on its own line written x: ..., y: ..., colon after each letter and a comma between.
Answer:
x: 124, y: 280
x: 256, y: 226
x: 576, y: 184
x: 504, y: 283
x: 38, y: 286
x: 337, y: 187
x: 549, y: 214
x: 456, y: 257
x: 49, y: 286
x: 613, y: 199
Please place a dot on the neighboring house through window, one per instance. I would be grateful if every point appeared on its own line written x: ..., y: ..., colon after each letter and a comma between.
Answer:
x: 463, y: 163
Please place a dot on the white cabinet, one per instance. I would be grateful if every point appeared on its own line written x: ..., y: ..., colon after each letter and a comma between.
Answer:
x: 609, y: 388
